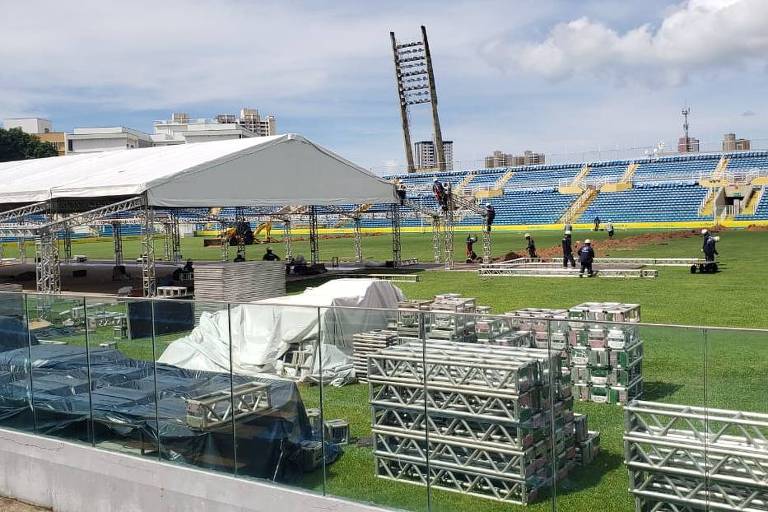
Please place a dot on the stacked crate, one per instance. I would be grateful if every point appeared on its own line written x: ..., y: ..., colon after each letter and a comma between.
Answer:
x: 694, y: 458
x: 606, y: 360
x: 367, y: 343
x: 471, y: 418
x: 549, y: 329
x: 489, y: 328
x: 409, y: 313
x: 451, y: 318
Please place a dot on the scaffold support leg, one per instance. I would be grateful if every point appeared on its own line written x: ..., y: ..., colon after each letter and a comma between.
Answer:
x: 67, y: 245
x: 437, y: 241
x: 117, y: 238
x: 396, y: 247
x: 288, y: 239
x: 148, y: 280
x: 313, y: 245
x: 224, y: 243
x: 48, y: 267
x: 358, y: 241
x: 487, y: 247
x: 448, y: 236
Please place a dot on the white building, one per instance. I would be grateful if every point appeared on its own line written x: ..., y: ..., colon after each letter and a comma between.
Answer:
x: 426, y: 155
x: 92, y: 140
x: 31, y: 125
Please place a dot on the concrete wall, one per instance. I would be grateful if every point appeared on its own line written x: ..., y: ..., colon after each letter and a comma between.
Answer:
x: 100, y: 144
x: 74, y: 478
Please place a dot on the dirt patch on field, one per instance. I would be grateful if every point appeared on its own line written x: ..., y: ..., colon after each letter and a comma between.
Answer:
x: 757, y: 228
x: 602, y: 247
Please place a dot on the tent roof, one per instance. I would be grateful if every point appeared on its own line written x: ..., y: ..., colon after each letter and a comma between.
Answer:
x: 261, y: 171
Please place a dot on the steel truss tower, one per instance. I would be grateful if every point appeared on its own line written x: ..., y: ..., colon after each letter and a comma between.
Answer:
x: 415, y: 81
x: 313, y: 245
x: 396, y: 248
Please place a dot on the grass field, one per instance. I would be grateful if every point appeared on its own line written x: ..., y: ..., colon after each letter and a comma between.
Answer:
x: 695, y: 366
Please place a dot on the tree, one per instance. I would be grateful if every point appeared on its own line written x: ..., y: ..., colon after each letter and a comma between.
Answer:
x: 17, y: 145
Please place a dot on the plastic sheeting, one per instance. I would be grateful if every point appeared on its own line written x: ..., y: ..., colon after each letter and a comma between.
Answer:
x: 262, y: 332
x: 103, y: 397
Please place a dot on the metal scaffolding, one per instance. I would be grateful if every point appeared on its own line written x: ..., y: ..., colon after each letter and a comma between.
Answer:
x: 224, y: 241
x: 396, y: 248
x: 358, y: 240
x: 313, y: 245
x: 148, y: 281
x: 48, y: 267
x: 287, y: 238
x: 448, y: 256
x: 172, y: 240
x: 67, y: 232
x: 437, y: 240
x: 117, y: 239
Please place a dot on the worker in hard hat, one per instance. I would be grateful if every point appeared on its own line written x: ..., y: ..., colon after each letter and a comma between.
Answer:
x: 710, y: 248
x: 401, y: 191
x: 490, y: 216
x: 531, y: 246
x: 270, y: 256
x: 586, y: 257
x: 568, y: 250
x: 471, y: 255
x: 609, y: 228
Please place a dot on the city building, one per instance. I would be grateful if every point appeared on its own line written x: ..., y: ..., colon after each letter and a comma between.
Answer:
x: 251, y: 120
x: 426, y: 155
x: 92, y: 140
x: 731, y: 143
x: 501, y: 159
x: 42, y: 128
x: 181, y: 129
x: 687, y: 145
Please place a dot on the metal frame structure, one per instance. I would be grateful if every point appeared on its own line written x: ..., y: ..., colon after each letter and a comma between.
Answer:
x: 314, y: 248
x: 172, y: 241
x: 546, y: 270
x: 696, y: 458
x: 148, y: 278
x: 220, y: 408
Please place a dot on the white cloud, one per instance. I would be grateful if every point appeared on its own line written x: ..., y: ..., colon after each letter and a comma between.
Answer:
x: 697, y: 36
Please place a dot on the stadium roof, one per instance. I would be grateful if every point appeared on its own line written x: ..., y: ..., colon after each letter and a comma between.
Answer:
x: 261, y: 171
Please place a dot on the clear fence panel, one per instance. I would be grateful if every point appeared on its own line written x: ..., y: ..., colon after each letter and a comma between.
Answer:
x: 121, y: 370
x: 15, y: 375
x: 374, y: 426
x: 494, y: 395
x: 736, y: 444
x: 60, y: 386
x: 190, y: 356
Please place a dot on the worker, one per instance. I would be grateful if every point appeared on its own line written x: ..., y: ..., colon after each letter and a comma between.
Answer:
x: 710, y: 248
x: 531, y: 246
x: 448, y: 193
x: 609, y: 228
x: 586, y: 257
x: 189, y: 267
x: 568, y: 251
x: 597, y: 223
x: 490, y: 216
x: 239, y: 258
x: 439, y: 191
x: 705, y: 235
x: 471, y: 256
x: 270, y: 256
x: 568, y: 229
x: 401, y: 191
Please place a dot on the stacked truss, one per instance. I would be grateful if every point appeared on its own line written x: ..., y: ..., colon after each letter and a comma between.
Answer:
x: 366, y: 343
x: 693, y: 458
x: 490, y: 421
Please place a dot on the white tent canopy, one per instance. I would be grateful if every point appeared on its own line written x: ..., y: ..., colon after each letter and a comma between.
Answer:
x: 261, y: 171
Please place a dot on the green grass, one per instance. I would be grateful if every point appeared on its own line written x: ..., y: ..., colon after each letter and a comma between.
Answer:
x: 692, y: 366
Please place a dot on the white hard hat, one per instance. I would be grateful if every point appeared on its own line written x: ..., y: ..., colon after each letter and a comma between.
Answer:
x: 704, y: 231
x: 527, y: 235
x: 587, y: 241
x: 434, y: 179
x: 487, y: 204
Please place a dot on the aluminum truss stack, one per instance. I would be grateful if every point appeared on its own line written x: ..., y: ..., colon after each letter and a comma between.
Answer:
x: 367, y: 343
x: 683, y: 458
x: 451, y: 318
x: 606, y: 360
x: 494, y: 422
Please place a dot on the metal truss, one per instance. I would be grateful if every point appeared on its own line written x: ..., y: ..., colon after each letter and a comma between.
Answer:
x: 67, y: 236
x: 314, y: 248
x: 172, y: 241
x: 447, y: 226
x: 22, y: 244
x: 651, y: 262
x: 240, y: 218
x: 19, y: 213
x: 697, y: 457
x: 396, y: 247
x: 148, y: 280
x: 117, y: 239
x: 220, y: 408
x: 224, y: 241
x: 437, y: 240
x: 464, y: 482
x: 48, y: 266
x: 495, y: 270
x: 358, y: 241
x: 287, y: 238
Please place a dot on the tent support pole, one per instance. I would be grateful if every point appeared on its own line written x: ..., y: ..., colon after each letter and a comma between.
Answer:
x: 313, y: 245
x: 48, y: 265
x: 148, y: 280
x: 396, y: 252
x: 287, y: 238
x: 358, y: 240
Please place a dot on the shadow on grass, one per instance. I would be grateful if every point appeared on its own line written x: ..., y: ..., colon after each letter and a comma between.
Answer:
x: 656, y: 390
x: 591, y: 475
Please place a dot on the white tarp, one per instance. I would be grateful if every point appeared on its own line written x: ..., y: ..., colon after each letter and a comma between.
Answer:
x: 259, y: 171
x: 263, y: 332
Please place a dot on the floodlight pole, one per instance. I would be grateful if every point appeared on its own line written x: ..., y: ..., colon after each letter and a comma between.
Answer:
x: 441, y: 163
x: 403, y: 107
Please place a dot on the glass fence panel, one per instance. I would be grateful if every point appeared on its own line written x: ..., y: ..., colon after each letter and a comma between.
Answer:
x: 15, y: 375
x: 494, y: 387
x: 734, y: 452
x: 190, y: 356
x: 121, y: 371
x: 60, y: 386
x: 374, y: 407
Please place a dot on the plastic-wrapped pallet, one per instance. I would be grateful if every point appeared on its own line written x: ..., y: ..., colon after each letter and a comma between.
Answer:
x: 606, y: 360
x: 694, y: 458
x: 493, y: 418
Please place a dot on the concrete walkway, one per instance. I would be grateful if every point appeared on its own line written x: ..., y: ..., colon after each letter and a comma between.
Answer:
x: 9, y: 505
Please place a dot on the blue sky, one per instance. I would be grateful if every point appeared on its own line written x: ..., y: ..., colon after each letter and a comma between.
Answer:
x: 548, y: 75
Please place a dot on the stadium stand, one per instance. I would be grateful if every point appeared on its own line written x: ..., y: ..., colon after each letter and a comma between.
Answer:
x: 664, y: 189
